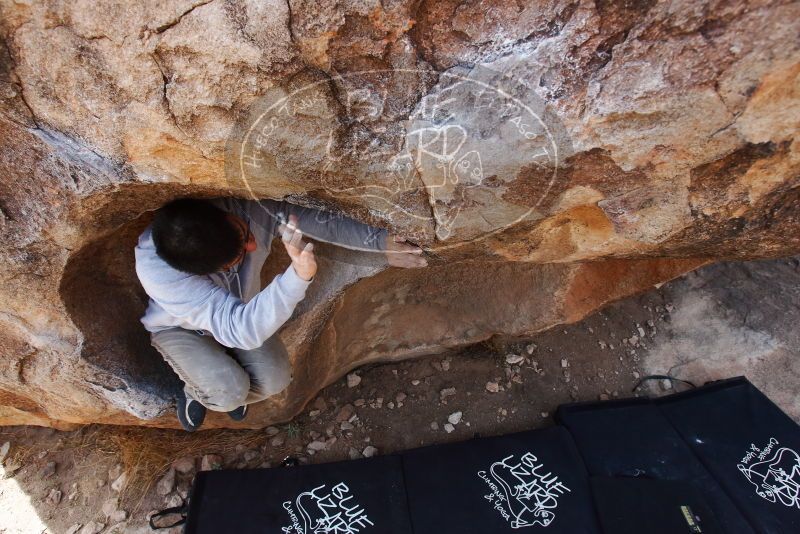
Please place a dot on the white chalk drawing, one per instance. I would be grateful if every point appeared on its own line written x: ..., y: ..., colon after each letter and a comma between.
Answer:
x: 470, y: 137
x: 522, y: 491
x: 326, y: 511
x: 774, y: 471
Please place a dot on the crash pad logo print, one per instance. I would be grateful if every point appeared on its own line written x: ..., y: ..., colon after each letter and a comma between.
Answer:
x: 523, y: 491
x: 774, y: 471
x: 326, y: 511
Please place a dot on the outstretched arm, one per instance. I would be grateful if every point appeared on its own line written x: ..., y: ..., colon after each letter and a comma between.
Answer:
x: 344, y: 231
x: 330, y: 227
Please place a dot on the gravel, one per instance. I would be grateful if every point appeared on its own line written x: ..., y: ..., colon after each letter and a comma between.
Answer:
x: 54, y: 497
x: 446, y: 392
x: 185, y: 465
x: 211, y: 462
x: 514, y: 359
x: 166, y: 484
x: 317, y: 446
x: 353, y: 380
x: 92, y: 527
x: 119, y: 484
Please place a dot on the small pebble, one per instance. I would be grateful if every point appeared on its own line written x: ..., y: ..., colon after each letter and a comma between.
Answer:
x: 166, y: 484
x: 345, y: 413
x: 184, y: 465
x: 447, y: 392
x: 54, y: 497
x: 353, y: 380
x: 119, y: 484
x: 110, y: 506
x: 211, y: 462
x: 118, y: 516
x: 173, y: 501
x: 73, y: 491
x: 49, y: 470
x: 317, y: 445
x: 92, y: 527
x: 514, y: 359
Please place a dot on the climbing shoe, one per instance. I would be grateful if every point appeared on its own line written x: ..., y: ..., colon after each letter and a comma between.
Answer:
x: 190, y: 413
x: 239, y: 413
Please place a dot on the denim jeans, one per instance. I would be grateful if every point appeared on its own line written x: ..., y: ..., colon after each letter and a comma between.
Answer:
x: 223, y: 379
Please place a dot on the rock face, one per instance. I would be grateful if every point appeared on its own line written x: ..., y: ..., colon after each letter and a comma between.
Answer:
x: 550, y: 156
x: 734, y: 319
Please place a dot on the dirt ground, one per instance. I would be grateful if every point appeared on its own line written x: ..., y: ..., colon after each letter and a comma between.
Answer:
x: 721, y: 321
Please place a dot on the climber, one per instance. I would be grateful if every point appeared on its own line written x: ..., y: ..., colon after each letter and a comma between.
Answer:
x: 200, y: 263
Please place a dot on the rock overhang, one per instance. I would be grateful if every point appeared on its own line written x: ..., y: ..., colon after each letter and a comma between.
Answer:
x: 680, y: 120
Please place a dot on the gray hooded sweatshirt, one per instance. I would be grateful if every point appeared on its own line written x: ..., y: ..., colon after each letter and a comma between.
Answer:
x: 231, y: 305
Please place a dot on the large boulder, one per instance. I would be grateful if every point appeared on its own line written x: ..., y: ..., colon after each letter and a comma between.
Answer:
x: 551, y: 157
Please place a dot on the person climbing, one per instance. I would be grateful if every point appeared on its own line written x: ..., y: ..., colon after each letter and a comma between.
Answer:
x: 200, y: 263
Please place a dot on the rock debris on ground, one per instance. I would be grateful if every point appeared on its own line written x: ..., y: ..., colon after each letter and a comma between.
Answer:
x: 88, y: 486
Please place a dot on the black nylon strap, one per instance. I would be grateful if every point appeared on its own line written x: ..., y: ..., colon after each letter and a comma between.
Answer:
x: 290, y: 461
x: 182, y: 510
x: 661, y: 377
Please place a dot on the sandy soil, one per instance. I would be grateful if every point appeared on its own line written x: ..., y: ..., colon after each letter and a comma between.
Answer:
x: 721, y: 321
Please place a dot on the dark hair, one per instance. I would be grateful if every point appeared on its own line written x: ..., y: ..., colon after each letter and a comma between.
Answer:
x: 195, y: 236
